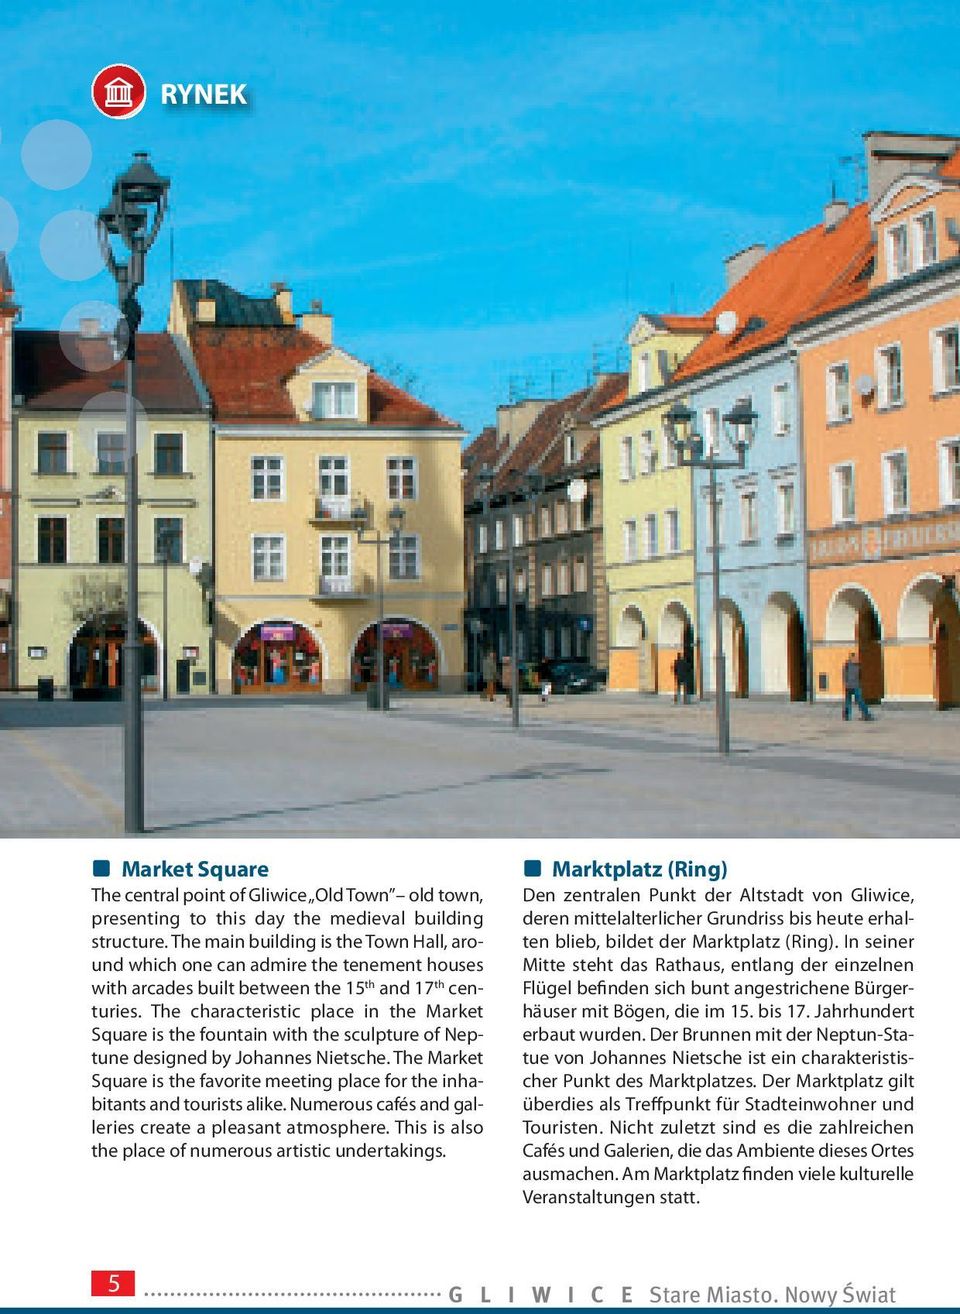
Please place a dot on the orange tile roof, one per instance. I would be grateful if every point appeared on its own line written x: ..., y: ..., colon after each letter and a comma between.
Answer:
x: 818, y: 270
x: 246, y: 370
x: 952, y: 167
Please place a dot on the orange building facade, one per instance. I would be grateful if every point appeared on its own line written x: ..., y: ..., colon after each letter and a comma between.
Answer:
x: 880, y: 381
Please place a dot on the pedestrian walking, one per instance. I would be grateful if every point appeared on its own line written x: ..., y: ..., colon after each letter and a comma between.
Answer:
x: 852, y: 692
x: 677, y: 676
x: 682, y: 678
x: 490, y: 676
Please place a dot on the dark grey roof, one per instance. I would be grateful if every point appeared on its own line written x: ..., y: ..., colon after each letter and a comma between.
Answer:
x: 234, y: 309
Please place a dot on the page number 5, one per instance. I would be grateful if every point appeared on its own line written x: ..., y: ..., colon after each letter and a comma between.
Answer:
x: 119, y: 1283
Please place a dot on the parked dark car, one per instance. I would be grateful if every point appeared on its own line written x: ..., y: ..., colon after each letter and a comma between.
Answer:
x: 570, y: 676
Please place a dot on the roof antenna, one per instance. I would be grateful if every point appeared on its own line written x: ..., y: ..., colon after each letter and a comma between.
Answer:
x: 856, y: 163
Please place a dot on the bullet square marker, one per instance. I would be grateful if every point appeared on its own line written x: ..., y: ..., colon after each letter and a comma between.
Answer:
x: 531, y: 866
x: 101, y: 867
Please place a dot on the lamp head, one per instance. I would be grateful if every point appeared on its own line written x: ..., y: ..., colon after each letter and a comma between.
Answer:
x: 396, y: 516
x: 678, y: 426
x: 740, y: 426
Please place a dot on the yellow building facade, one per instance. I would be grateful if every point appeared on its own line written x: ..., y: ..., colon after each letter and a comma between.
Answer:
x: 647, y: 516
x: 71, y: 548
x: 307, y: 435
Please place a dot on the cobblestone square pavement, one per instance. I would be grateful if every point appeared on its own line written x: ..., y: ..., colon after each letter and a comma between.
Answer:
x: 603, y: 765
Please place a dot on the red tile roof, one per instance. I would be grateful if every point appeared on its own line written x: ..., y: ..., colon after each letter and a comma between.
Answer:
x: 49, y: 379
x: 246, y: 371
x: 818, y: 270
x: 951, y: 169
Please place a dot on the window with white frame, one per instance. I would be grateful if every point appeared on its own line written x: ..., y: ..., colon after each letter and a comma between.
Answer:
x: 566, y: 640
x: 843, y: 493
x: 405, y: 556
x: 481, y: 538
x: 786, y: 509
x: 749, y: 516
x: 53, y: 453
x: 629, y: 540
x: 925, y: 239
x: 898, y: 251
x: 580, y: 575
x: 266, y: 478
x: 950, y: 472
x: 946, y: 358
x: 671, y: 530
x: 335, y: 401
x: 896, y: 483
x: 576, y: 515
x: 520, y: 583
x: 335, y: 556
x: 546, y: 580
x: 401, y: 478
x: 651, y: 546
x: 518, y: 529
x: 643, y: 371
x: 499, y: 535
x: 838, y: 393
x: 628, y: 467
x: 648, y: 453
x: 890, y: 376
x: 546, y: 520
x: 563, y: 577
x: 780, y: 399
x: 269, y: 556
x: 711, y: 431
x: 562, y: 517
x: 669, y: 453
x: 501, y: 589
x: 570, y: 454
x: 111, y: 452
x: 334, y: 476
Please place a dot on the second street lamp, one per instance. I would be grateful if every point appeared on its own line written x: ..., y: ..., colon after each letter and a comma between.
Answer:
x: 361, y: 516
x: 739, y: 426
x: 132, y: 217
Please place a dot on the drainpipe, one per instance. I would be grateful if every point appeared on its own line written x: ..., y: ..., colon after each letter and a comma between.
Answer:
x: 802, y: 489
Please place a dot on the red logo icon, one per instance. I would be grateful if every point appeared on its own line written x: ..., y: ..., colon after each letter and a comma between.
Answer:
x: 119, y: 1283
x: 119, y: 91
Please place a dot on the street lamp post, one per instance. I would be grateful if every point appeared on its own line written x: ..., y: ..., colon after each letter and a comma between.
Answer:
x: 133, y: 215
x: 739, y: 424
x: 361, y: 518
x: 166, y: 535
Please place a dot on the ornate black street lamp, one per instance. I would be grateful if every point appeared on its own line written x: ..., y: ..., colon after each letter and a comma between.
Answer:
x: 127, y: 228
x: 361, y: 517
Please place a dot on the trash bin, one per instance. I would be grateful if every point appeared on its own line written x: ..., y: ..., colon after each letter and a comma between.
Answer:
x: 373, y: 698
x: 45, y: 689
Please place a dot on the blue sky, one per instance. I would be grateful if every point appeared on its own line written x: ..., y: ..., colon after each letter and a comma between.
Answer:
x: 475, y: 192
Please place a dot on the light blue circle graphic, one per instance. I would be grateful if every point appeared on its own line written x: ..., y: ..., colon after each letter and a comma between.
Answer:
x: 70, y: 247
x: 9, y: 226
x: 56, y: 154
x: 94, y: 335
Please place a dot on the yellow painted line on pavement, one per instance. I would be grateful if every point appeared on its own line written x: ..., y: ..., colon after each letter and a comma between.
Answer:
x: 72, y: 779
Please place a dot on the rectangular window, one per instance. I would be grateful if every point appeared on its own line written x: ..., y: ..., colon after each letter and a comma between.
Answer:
x: 629, y: 540
x: 110, y: 453
x: 110, y: 540
x: 890, y: 376
x: 518, y: 529
x: 896, y: 485
x: 566, y: 641
x: 52, y: 453
x: 481, y: 538
x: 648, y: 453
x: 711, y: 431
x: 650, y: 542
x: 269, y: 556
x: 335, y: 556
x: 563, y: 520
x: 548, y: 644
x: 266, y: 478
x: 749, y: 527
x: 946, y: 359
x: 950, y: 472
x: 898, y: 251
x: 709, y: 535
x: 501, y: 590
x: 786, y: 509
x: 563, y: 577
x: 546, y: 580
x: 843, y: 495
x: 52, y: 540
x: 671, y: 530
x: 168, y: 539
x: 781, y: 409
x: 925, y: 240
x: 669, y: 453
x: 168, y: 453
x: 580, y: 575
x: 334, y: 401
x: 546, y: 521
x: 401, y: 478
x: 838, y: 393
x: 576, y: 515
x: 334, y: 476
x: 643, y: 372
x: 627, y: 467
x: 520, y: 583
x: 405, y: 556
x: 499, y: 535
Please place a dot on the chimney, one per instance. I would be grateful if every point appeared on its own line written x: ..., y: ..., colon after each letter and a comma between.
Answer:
x: 316, y: 323
x: 206, y: 306
x: 891, y: 155
x: 284, y: 299
x: 89, y: 327
x: 833, y: 212
x: 740, y: 264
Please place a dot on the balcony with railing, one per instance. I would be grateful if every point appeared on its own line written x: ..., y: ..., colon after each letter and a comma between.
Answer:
x: 355, y: 587
x: 331, y: 509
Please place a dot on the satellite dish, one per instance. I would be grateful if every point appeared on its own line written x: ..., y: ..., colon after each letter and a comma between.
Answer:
x: 577, y: 490
x: 865, y: 385
x: 726, y: 322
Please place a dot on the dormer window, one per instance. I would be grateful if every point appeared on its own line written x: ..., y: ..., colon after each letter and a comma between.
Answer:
x: 334, y: 401
x: 570, y: 448
x: 925, y: 239
x: 898, y: 251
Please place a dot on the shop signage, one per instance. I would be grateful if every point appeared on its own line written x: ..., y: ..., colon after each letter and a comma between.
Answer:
x: 37, y: 653
x: 191, y: 654
x: 397, y: 631
x: 277, y: 633
x: 879, y: 542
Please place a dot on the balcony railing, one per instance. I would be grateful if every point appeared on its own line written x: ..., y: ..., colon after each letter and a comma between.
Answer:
x: 332, y: 508
x: 345, y: 587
